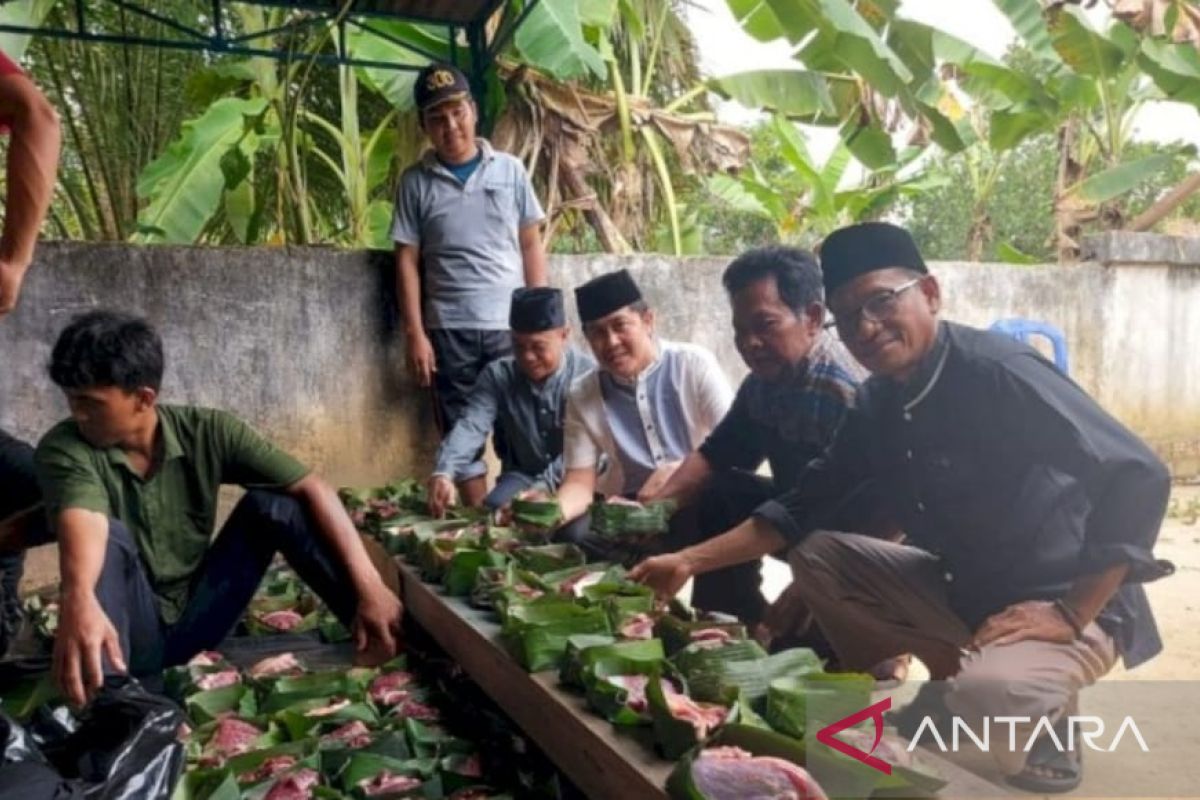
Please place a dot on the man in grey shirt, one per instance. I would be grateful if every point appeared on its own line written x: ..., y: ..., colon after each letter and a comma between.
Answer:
x: 523, y: 397
x: 466, y: 227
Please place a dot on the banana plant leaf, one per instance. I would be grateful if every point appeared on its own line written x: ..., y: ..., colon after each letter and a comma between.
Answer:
x: 256, y: 627
x: 616, y: 688
x: 207, y: 784
x: 536, y: 632
x: 754, y: 677
x: 465, y: 565
x: 676, y: 632
x: 282, y: 693
x: 681, y: 723
x: 548, y: 558
x: 621, y: 600
x: 331, y: 629
x: 207, y: 706
x: 586, y: 649
x: 536, y: 519
x: 362, y: 767
x: 703, y: 666
x: 435, y: 553
x: 821, y: 697
x: 276, y: 595
x: 631, y: 522
x: 488, y: 581
x: 430, y: 741
x: 299, y: 721
x: 181, y: 681
x: 395, y: 534
x: 571, y: 581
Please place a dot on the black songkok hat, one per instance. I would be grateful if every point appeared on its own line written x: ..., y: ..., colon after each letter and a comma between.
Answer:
x: 536, y: 310
x: 858, y: 249
x: 605, y: 294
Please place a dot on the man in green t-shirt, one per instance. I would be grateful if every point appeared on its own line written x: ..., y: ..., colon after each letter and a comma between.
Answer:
x: 130, y: 487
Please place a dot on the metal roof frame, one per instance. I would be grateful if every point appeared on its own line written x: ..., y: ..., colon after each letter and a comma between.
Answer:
x: 216, y: 38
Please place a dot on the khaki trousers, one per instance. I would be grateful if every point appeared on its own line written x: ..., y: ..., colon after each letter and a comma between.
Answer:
x: 876, y: 599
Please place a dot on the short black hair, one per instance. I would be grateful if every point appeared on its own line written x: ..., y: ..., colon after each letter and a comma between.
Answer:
x: 796, y: 272
x: 107, y: 348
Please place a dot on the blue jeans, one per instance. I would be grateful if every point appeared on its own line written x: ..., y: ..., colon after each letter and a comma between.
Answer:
x: 262, y: 524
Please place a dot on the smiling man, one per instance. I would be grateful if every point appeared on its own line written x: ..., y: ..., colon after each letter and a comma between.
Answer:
x: 786, y: 412
x: 130, y: 488
x: 467, y: 232
x: 649, y: 403
x: 523, y: 397
x: 1030, y: 513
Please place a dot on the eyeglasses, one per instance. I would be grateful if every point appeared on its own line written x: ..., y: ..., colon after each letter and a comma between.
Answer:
x: 879, y: 307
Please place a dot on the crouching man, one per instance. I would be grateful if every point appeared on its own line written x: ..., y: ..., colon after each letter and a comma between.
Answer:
x: 1030, y: 514
x: 130, y: 487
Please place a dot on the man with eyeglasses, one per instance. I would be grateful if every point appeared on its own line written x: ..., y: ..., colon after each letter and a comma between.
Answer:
x: 466, y: 226
x: 1030, y: 515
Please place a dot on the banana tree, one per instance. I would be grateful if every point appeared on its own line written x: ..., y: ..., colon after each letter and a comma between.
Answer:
x: 806, y: 200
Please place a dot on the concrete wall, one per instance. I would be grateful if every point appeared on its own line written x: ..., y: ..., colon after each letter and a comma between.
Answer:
x: 305, y: 344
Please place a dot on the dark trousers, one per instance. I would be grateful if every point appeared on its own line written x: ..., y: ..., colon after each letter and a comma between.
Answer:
x: 263, y: 524
x: 18, y: 492
x: 461, y: 355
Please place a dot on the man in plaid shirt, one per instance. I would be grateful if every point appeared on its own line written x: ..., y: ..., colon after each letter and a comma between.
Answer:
x: 786, y: 411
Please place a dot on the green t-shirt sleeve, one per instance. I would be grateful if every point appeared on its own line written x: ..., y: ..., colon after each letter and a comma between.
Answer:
x: 67, y: 474
x: 250, y: 460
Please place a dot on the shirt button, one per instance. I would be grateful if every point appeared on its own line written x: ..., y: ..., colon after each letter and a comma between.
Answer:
x: 908, y: 455
x: 920, y: 506
x: 948, y: 576
x: 907, y: 417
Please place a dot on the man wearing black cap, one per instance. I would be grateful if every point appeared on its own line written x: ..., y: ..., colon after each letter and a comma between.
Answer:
x: 1030, y: 513
x: 466, y: 227
x: 650, y: 403
x: 522, y: 395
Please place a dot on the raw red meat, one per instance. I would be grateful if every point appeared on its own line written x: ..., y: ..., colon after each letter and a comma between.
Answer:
x: 272, y: 666
x: 635, y: 689
x: 216, y: 680
x: 729, y: 773
x: 283, y: 620
x: 703, y: 716
x: 388, y: 689
x: 273, y: 766
x: 472, y: 793
x: 575, y: 584
x: 416, y: 710
x: 297, y: 786
x: 639, y: 626
x: 387, y: 783
x: 352, y: 734
x: 206, y: 658
x: 718, y: 636
x: 231, y: 737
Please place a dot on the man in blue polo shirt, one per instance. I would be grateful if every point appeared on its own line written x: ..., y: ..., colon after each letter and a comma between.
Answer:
x: 466, y: 227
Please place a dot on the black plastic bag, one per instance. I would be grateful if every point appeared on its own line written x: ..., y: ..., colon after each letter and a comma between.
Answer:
x: 125, y: 745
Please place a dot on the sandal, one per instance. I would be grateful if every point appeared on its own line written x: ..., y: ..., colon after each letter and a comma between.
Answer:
x: 1049, y: 770
x: 891, y: 672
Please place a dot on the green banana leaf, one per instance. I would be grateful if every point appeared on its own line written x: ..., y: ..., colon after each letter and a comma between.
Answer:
x: 536, y: 519
x: 611, y: 700
x: 242, y: 765
x: 703, y: 666
x: 489, y: 581
x: 284, y: 692
x: 676, y: 632
x: 822, y: 697
x: 548, y: 558
x: 435, y: 553
x: 207, y: 784
x: 754, y: 677
x: 755, y: 741
x: 621, y: 600
x: 362, y: 766
x: 331, y: 629
x: 465, y: 565
x: 571, y: 581
x: 299, y: 725
x: 308, y: 622
x: 206, y: 706
x: 586, y: 649
x: 431, y: 741
x: 629, y: 523
x: 536, y: 632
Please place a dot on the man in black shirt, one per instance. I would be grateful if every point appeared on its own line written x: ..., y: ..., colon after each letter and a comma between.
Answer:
x: 1030, y: 513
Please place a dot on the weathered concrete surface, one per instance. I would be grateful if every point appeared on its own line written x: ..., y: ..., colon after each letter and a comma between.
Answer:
x: 305, y: 343
x: 1119, y: 248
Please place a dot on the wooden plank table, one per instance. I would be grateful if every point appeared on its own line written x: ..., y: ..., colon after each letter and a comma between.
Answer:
x: 599, y: 758
x: 603, y: 760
